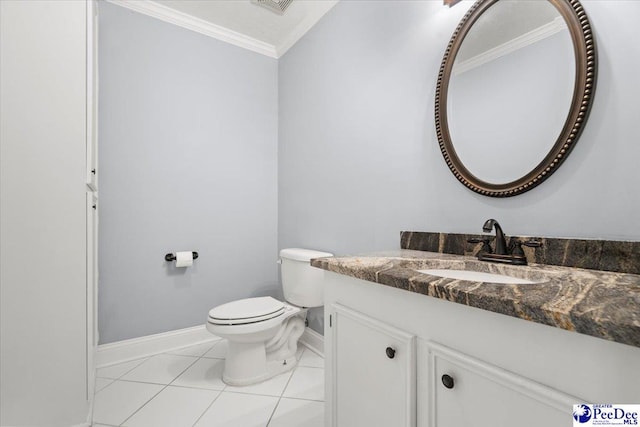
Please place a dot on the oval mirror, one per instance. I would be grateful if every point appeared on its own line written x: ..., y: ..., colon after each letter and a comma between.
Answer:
x: 514, y: 91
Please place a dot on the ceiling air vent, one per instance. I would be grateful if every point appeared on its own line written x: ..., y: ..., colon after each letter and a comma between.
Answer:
x: 277, y: 6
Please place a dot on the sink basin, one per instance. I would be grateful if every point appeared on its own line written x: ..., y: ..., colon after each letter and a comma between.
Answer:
x: 477, y: 276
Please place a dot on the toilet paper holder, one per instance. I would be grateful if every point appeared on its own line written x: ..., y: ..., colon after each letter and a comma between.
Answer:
x: 172, y: 257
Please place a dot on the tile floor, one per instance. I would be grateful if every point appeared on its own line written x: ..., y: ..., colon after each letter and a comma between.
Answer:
x: 184, y: 388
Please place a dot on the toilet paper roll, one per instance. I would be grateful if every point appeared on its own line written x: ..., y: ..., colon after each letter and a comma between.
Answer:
x: 184, y: 259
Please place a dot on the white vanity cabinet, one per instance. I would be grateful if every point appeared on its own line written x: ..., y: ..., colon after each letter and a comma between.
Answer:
x: 505, y: 371
x: 372, y: 371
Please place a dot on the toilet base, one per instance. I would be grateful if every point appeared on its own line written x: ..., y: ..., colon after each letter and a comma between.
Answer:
x: 273, y: 368
x: 250, y: 362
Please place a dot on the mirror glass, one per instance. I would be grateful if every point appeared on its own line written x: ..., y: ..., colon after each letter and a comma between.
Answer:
x: 510, y: 89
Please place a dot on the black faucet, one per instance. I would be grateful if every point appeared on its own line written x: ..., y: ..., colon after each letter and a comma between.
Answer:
x: 512, y: 254
x: 501, y: 242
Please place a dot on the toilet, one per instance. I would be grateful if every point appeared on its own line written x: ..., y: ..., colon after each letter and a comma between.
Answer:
x: 263, y: 332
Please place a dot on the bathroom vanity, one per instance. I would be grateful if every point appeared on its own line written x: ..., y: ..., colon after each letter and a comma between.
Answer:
x: 404, y: 348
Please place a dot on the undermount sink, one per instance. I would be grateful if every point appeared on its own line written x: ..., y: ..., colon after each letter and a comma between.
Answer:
x: 478, y: 276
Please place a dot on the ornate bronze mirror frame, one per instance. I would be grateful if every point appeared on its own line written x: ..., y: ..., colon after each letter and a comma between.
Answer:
x: 584, y: 86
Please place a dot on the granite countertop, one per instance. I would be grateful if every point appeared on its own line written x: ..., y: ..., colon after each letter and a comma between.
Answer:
x: 598, y: 303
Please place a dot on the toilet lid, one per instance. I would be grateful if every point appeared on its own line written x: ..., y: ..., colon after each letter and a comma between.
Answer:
x: 249, y: 310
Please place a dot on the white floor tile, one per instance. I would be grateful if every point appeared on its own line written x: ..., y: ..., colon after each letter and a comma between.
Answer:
x: 298, y: 413
x: 102, y: 383
x: 239, y: 410
x: 205, y: 373
x: 311, y: 359
x: 306, y: 383
x: 194, y: 350
x: 173, y: 407
x: 120, y: 400
x: 160, y: 369
x: 116, y: 371
x: 219, y: 350
x: 271, y: 387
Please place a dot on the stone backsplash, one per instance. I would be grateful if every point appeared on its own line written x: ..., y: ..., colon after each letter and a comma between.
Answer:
x: 607, y: 255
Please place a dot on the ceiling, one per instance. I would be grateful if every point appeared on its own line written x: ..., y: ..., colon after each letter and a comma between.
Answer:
x: 239, y: 22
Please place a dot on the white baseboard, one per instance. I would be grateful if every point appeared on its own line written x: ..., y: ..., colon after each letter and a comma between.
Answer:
x: 136, y: 348
x: 313, y: 340
x: 123, y: 351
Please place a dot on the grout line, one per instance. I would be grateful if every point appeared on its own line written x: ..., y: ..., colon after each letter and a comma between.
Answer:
x: 170, y: 384
x: 142, y: 360
x: 301, y: 398
x: 288, y: 381
x: 275, y: 408
x: 211, y: 357
x: 251, y: 394
x: 195, y: 388
x: 163, y: 388
x: 143, y: 405
x: 95, y: 385
x: 207, y: 408
x: 293, y: 371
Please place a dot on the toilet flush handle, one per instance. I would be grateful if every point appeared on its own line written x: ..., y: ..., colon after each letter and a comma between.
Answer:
x: 279, y: 261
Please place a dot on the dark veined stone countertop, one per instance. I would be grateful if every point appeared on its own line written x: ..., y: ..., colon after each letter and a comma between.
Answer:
x: 602, y: 304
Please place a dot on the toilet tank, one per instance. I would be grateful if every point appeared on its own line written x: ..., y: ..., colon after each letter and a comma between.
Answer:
x: 302, y: 284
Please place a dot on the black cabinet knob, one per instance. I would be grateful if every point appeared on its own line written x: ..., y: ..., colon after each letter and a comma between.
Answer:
x: 447, y: 380
x: 391, y: 353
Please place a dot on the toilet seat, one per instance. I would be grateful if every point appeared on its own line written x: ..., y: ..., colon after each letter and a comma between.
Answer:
x: 246, y: 311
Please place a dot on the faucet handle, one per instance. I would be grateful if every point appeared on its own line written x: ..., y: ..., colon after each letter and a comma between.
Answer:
x: 516, y: 247
x: 532, y: 243
x: 486, y: 247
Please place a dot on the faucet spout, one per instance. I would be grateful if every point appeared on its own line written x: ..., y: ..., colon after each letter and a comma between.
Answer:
x: 501, y: 243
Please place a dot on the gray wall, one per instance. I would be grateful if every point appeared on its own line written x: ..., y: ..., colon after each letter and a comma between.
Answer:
x: 188, y: 161
x: 358, y: 155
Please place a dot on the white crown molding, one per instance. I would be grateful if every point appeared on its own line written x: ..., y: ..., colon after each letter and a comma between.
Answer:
x: 172, y: 16
x: 533, y: 36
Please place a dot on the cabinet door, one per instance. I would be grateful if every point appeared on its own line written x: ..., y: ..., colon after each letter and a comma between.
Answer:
x: 373, y: 372
x: 479, y: 394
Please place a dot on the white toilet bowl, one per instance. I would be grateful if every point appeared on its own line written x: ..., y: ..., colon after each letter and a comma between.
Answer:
x: 262, y: 343
x: 263, y: 332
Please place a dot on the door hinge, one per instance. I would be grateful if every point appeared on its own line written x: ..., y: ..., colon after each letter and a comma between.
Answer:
x: 330, y: 319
